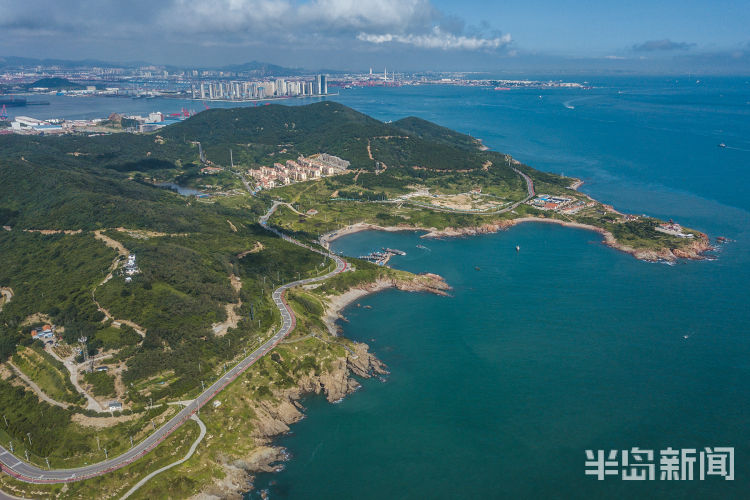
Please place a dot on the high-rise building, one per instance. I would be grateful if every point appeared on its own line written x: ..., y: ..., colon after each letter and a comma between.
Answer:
x: 321, y: 85
x: 280, y: 86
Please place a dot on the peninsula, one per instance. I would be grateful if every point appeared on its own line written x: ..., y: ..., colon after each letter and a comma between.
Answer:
x: 155, y: 342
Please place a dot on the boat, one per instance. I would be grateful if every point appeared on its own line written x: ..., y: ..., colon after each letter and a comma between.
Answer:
x: 722, y: 145
x: 393, y: 251
x: 12, y: 101
x: 518, y: 248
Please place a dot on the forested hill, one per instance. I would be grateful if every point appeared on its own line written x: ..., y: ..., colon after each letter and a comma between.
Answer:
x: 79, y: 182
x: 333, y: 128
x: 429, y: 131
x: 91, y: 182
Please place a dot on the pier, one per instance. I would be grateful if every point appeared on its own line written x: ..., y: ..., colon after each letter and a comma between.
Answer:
x: 381, y: 258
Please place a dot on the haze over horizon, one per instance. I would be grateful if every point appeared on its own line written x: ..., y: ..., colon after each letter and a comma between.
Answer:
x: 406, y: 35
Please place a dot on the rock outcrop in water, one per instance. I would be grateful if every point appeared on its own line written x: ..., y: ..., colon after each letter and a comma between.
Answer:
x: 274, y: 416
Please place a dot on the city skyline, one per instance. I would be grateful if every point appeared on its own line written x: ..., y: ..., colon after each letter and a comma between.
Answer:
x: 412, y: 35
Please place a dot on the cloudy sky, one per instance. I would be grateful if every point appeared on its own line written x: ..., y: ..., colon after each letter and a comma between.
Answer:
x: 481, y: 35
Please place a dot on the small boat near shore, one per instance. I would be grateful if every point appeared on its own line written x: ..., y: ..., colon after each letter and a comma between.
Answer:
x: 722, y: 145
x: 394, y: 251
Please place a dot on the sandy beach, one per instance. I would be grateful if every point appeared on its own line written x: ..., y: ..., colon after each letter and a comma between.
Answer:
x: 427, y: 282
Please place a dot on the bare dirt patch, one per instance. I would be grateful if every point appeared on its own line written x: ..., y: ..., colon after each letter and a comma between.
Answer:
x: 54, y: 231
x: 256, y: 248
x: 233, y: 318
x: 6, y: 294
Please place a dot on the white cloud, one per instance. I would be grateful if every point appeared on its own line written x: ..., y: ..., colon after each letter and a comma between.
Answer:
x: 439, y: 39
x: 411, y: 22
x: 378, y: 15
x: 319, y: 17
x: 273, y: 24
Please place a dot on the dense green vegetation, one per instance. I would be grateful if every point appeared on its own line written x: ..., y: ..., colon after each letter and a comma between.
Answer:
x: 102, y: 383
x: 52, y: 274
x: 429, y: 131
x: 55, y: 84
x: 200, y: 258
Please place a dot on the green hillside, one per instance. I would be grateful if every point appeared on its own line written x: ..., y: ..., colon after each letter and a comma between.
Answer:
x: 56, y: 84
x: 73, y: 207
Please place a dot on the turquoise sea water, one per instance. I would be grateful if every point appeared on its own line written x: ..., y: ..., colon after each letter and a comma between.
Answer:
x: 567, y: 345
x: 497, y: 390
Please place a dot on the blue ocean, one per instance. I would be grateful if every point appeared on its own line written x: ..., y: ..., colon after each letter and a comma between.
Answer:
x: 537, y: 356
x: 567, y: 345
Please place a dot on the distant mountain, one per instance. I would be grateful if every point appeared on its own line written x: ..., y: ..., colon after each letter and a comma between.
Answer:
x: 19, y: 62
x: 55, y: 84
x: 256, y: 68
x: 253, y: 68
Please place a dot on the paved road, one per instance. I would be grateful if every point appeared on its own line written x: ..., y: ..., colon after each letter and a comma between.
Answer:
x: 184, y: 459
x: 24, y: 471
x: 529, y: 189
x: 39, y: 392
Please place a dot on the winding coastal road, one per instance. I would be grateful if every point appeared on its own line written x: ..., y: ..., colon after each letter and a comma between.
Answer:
x: 27, y: 472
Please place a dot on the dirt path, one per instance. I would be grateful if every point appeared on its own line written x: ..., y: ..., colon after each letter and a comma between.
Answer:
x: 117, y: 322
x: 54, y: 231
x: 39, y: 392
x: 369, y: 153
x: 256, y: 248
x: 289, y: 205
x: 189, y: 454
x: 122, y: 252
x: 73, y: 369
x: 99, y: 235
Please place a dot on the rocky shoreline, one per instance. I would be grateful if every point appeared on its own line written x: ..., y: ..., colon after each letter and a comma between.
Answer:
x: 273, y: 417
x: 695, y: 251
x: 426, y: 282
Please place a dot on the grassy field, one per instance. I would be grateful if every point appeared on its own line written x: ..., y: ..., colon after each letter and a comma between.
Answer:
x: 48, y: 373
x: 116, y: 483
x: 102, y: 384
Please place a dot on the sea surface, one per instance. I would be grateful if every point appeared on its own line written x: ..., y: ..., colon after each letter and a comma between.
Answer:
x: 566, y: 345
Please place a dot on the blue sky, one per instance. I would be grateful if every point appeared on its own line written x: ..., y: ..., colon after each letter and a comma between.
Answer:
x: 588, y: 27
x: 664, y: 36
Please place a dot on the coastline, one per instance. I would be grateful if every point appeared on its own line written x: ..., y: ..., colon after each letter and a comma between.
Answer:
x: 274, y: 417
x: 425, y: 282
x: 695, y: 251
